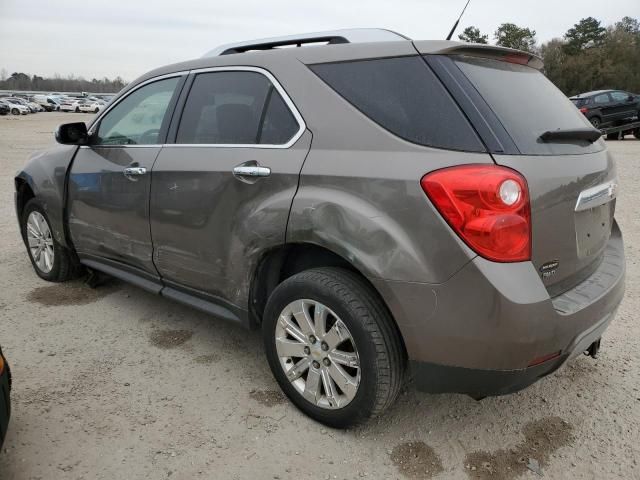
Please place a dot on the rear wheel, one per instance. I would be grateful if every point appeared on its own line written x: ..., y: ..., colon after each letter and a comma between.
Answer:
x: 96, y: 110
x: 636, y: 133
x: 595, y: 121
x: 50, y: 260
x: 333, y: 347
x: 15, y: 111
x: 77, y: 109
x: 615, y: 136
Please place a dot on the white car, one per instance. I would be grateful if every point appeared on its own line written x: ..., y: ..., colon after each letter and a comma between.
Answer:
x: 92, y: 107
x: 70, y: 105
x: 16, y: 108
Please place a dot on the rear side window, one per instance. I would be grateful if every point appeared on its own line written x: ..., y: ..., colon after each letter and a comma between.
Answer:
x: 235, y: 108
x: 279, y: 124
x: 405, y: 97
x: 527, y: 104
x: 601, y: 99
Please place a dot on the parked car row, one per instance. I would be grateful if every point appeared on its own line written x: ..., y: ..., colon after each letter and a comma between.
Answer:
x: 25, y: 104
x: 18, y: 106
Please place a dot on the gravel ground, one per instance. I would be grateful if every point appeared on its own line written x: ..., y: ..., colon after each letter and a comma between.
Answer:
x: 118, y: 383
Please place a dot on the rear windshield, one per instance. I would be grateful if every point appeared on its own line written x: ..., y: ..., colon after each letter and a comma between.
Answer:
x: 527, y: 104
x: 404, y: 96
x: 579, y: 102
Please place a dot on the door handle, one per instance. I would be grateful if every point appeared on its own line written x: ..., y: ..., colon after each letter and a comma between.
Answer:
x: 134, y: 171
x: 251, y: 171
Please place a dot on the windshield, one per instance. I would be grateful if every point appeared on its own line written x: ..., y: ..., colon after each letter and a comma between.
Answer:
x: 528, y: 105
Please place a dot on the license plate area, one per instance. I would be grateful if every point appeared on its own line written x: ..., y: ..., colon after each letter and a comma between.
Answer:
x: 593, y: 227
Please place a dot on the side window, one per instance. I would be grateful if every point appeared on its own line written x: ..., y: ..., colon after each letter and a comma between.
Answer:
x: 619, y: 96
x: 405, y: 97
x: 137, y: 119
x: 601, y: 99
x: 235, y: 108
x: 279, y: 124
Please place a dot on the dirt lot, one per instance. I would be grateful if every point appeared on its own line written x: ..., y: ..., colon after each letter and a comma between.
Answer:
x: 116, y: 383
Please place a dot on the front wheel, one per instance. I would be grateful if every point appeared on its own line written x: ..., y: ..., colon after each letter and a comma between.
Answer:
x: 636, y: 133
x: 15, y: 111
x: 50, y: 260
x: 333, y: 347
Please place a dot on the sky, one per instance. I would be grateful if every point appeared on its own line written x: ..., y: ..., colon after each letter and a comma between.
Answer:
x: 129, y: 37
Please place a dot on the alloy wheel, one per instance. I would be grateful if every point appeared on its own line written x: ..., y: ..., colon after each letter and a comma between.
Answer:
x: 317, y: 354
x: 40, y: 241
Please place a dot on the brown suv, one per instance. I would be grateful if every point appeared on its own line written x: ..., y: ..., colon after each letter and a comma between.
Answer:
x: 371, y: 203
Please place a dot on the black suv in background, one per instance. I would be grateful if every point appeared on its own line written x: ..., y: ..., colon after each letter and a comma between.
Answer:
x: 606, y: 107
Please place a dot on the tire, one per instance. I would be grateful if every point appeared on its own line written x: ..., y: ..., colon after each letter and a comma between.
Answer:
x: 596, y: 122
x: 614, y: 136
x: 63, y: 267
x: 15, y: 111
x: 96, y: 110
x: 77, y: 109
x: 636, y: 133
x: 377, y: 348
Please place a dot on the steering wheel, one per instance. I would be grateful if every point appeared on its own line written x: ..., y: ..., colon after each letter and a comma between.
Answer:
x: 149, y: 137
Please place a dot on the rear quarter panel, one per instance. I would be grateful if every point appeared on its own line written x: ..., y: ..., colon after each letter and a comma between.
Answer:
x: 360, y: 193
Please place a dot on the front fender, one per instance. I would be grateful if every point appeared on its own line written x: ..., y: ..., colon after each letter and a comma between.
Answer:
x: 45, y: 173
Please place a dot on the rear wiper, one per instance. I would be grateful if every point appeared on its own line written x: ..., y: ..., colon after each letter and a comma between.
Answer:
x: 588, y: 134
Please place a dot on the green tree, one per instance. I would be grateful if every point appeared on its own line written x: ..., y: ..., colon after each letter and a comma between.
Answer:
x: 629, y: 25
x: 512, y: 36
x: 472, y: 35
x: 613, y: 63
x: 588, y: 32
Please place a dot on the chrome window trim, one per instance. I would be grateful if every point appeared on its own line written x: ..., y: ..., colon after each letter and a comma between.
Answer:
x: 302, y: 126
x: 133, y: 89
x: 146, y: 145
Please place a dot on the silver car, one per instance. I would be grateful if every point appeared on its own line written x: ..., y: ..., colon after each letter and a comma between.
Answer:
x: 375, y: 205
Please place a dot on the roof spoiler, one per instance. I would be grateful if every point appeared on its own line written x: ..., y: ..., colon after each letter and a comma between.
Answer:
x: 355, y: 35
x: 483, y: 51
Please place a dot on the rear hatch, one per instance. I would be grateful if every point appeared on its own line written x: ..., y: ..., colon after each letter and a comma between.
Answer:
x: 572, y: 181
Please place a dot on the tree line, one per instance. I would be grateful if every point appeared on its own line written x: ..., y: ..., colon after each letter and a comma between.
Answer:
x: 57, y: 83
x: 588, y: 57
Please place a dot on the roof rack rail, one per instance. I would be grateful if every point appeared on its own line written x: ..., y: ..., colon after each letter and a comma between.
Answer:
x: 355, y: 35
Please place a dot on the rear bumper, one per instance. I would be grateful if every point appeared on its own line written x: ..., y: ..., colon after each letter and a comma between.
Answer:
x: 479, y: 332
x: 434, y: 378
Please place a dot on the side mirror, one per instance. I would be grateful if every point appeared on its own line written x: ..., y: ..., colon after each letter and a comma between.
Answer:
x: 72, y: 134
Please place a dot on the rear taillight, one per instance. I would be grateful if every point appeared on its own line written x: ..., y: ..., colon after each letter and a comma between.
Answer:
x: 584, y: 110
x: 487, y: 206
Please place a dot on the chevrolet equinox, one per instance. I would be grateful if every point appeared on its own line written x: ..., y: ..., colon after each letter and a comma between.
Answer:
x: 375, y: 205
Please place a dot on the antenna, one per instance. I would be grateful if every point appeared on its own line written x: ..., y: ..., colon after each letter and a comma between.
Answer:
x: 455, y: 25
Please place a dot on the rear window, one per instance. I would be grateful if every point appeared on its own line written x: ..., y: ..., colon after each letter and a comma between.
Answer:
x: 405, y: 97
x: 580, y: 102
x: 527, y: 104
